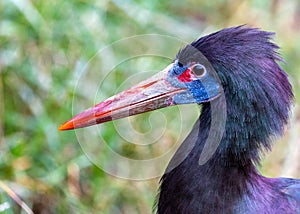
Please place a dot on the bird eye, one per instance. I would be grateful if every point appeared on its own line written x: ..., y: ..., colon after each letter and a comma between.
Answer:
x: 180, y: 64
x: 198, y: 70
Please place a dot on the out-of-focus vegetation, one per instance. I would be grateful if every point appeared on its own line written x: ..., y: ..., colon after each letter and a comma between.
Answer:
x: 42, y: 46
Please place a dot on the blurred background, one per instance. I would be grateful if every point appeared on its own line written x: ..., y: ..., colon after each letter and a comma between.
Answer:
x: 44, y: 45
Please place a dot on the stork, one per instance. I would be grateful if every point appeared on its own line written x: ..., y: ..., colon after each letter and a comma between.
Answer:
x: 239, y: 64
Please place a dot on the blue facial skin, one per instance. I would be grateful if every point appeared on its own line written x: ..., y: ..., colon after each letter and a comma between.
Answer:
x: 201, y: 90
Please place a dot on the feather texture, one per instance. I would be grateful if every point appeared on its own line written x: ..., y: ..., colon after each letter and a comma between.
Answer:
x: 258, y: 100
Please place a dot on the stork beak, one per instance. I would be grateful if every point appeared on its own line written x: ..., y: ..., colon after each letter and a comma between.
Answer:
x: 153, y: 93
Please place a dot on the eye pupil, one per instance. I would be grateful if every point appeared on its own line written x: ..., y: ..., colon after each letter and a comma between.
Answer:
x: 199, y: 70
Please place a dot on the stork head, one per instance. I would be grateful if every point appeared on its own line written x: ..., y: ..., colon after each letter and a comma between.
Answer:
x: 239, y: 61
x: 186, y: 80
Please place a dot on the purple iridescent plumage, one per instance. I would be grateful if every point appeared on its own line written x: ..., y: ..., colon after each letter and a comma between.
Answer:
x: 258, y: 100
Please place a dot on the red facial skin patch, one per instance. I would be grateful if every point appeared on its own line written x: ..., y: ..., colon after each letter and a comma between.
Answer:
x: 185, y: 76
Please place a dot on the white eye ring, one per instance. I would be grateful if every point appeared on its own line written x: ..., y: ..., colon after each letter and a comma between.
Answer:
x: 198, y: 70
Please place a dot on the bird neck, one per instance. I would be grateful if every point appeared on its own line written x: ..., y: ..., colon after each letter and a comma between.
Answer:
x: 245, y: 133
x: 228, y: 181
x: 233, y: 143
x: 223, y: 184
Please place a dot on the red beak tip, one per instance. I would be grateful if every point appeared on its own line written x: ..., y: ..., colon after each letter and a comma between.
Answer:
x: 66, y: 126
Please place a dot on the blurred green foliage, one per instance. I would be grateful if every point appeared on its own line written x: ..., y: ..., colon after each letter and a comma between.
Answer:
x: 43, y: 44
